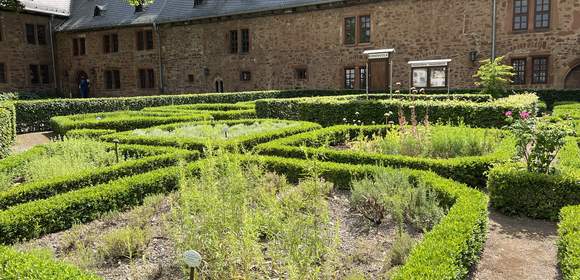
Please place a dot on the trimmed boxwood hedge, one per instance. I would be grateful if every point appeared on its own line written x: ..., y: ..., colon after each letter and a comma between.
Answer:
x: 47, y: 188
x: 469, y: 170
x: 567, y: 109
x: 203, y: 107
x: 515, y: 191
x: 36, y: 218
x: 327, y: 111
x: 448, y: 251
x: 120, y: 121
x: 569, y: 242
x: 7, y: 128
x: 246, y: 142
x: 30, y: 266
x: 35, y: 115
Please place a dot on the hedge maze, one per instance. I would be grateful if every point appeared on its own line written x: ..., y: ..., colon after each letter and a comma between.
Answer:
x: 454, y: 145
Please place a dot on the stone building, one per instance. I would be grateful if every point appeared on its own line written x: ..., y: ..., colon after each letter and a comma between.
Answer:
x: 173, y: 46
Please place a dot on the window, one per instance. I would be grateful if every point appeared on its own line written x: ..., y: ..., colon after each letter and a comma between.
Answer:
x: 364, y: 29
x: 219, y: 86
x: 138, y: 8
x: 34, y: 74
x: 145, y: 40
x: 191, y: 78
x: 349, y: 77
x: 520, y: 15
x: 429, y: 77
x: 44, y: 74
x: 3, y: 79
x: 30, y: 34
x: 350, y: 30
x: 362, y: 75
x: 112, y: 79
x: 245, y: 41
x: 540, y: 70
x: 245, y: 76
x: 41, y: 34
x: 79, y: 46
x: 146, y: 78
x: 301, y: 74
x: 233, y: 41
x: 542, y: 17
x: 110, y: 43
x: 519, y: 66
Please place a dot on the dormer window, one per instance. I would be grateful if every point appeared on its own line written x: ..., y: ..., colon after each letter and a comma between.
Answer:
x: 197, y: 2
x: 139, y: 8
x: 99, y: 11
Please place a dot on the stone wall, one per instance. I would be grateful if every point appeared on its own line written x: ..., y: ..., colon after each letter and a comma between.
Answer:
x: 16, y: 54
x: 196, y: 54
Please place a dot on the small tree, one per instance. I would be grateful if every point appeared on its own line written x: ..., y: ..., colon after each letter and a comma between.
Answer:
x: 140, y: 2
x: 494, y: 76
x: 11, y: 5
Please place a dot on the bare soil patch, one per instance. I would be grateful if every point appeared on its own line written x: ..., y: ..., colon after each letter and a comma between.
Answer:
x: 27, y: 141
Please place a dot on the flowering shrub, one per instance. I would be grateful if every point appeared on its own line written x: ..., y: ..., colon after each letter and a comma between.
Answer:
x: 538, y: 140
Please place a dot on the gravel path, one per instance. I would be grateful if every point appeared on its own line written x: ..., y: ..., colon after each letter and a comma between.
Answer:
x: 518, y: 248
x: 25, y: 142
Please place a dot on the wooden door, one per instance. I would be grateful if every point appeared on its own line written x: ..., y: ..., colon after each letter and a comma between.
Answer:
x: 378, y: 75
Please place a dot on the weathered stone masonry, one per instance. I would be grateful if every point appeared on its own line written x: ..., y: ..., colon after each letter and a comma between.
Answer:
x: 195, y: 54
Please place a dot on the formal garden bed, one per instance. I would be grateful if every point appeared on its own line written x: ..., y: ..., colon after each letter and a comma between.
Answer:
x: 396, y: 186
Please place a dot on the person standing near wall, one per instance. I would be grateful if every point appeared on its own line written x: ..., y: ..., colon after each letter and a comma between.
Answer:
x: 84, y: 86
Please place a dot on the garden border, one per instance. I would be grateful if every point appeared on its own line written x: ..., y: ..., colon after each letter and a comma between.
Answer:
x: 569, y: 242
x: 469, y: 170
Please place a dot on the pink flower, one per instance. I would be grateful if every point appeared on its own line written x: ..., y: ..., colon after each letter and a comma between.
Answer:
x: 524, y: 115
x: 509, y: 114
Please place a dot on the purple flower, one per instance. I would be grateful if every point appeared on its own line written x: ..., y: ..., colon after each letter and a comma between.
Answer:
x: 509, y: 114
x: 524, y: 115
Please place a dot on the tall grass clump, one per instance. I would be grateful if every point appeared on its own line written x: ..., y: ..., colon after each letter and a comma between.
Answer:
x: 59, y: 159
x: 251, y: 224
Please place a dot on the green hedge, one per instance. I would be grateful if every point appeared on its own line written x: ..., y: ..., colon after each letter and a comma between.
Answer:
x: 246, y: 141
x: 571, y: 110
x: 119, y: 121
x: 515, y: 191
x: 449, y: 250
x: 469, y: 170
x: 47, y: 188
x: 203, y: 107
x: 88, y: 133
x: 7, y: 128
x: 33, y: 266
x: 36, y: 218
x: 328, y: 111
x: 569, y: 242
x: 35, y: 115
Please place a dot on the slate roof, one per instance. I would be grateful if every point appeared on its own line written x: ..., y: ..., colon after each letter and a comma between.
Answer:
x: 119, y: 13
x: 54, y: 7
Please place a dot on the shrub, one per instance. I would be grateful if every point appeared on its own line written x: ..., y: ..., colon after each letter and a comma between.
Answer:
x: 7, y: 128
x: 88, y: 133
x: 162, y: 135
x: 494, y: 76
x: 469, y: 170
x: 402, y: 247
x: 331, y: 112
x: 37, y: 266
x: 567, y: 110
x: 203, y: 107
x: 446, y: 252
x: 127, y: 242
x: 515, y: 191
x: 569, y: 242
x: 35, y: 115
x: 36, y: 218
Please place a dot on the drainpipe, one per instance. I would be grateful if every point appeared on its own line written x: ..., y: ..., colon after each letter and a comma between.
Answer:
x: 161, y: 67
x: 52, y: 53
x: 493, y: 29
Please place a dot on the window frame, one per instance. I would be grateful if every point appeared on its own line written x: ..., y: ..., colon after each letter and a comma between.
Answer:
x: 233, y: 41
x: 146, y: 78
x: 362, y: 84
x: 301, y: 73
x: 542, y: 12
x: 245, y: 42
x: 44, y: 73
x: 44, y: 39
x: 520, y: 14
x: 348, y: 79
x: 30, y: 37
x: 523, y: 71
x: 360, y: 29
x: 546, y: 70
x: 429, y: 72
x: 34, y: 74
x: 110, y: 43
x: 3, y: 74
x: 348, y: 31
x: 245, y: 76
x: 145, y: 40
x: 112, y: 79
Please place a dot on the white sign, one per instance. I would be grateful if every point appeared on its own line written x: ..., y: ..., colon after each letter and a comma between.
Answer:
x: 192, y: 258
x: 378, y: 55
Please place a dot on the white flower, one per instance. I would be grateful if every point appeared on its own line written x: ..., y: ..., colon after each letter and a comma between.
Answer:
x: 356, y: 113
